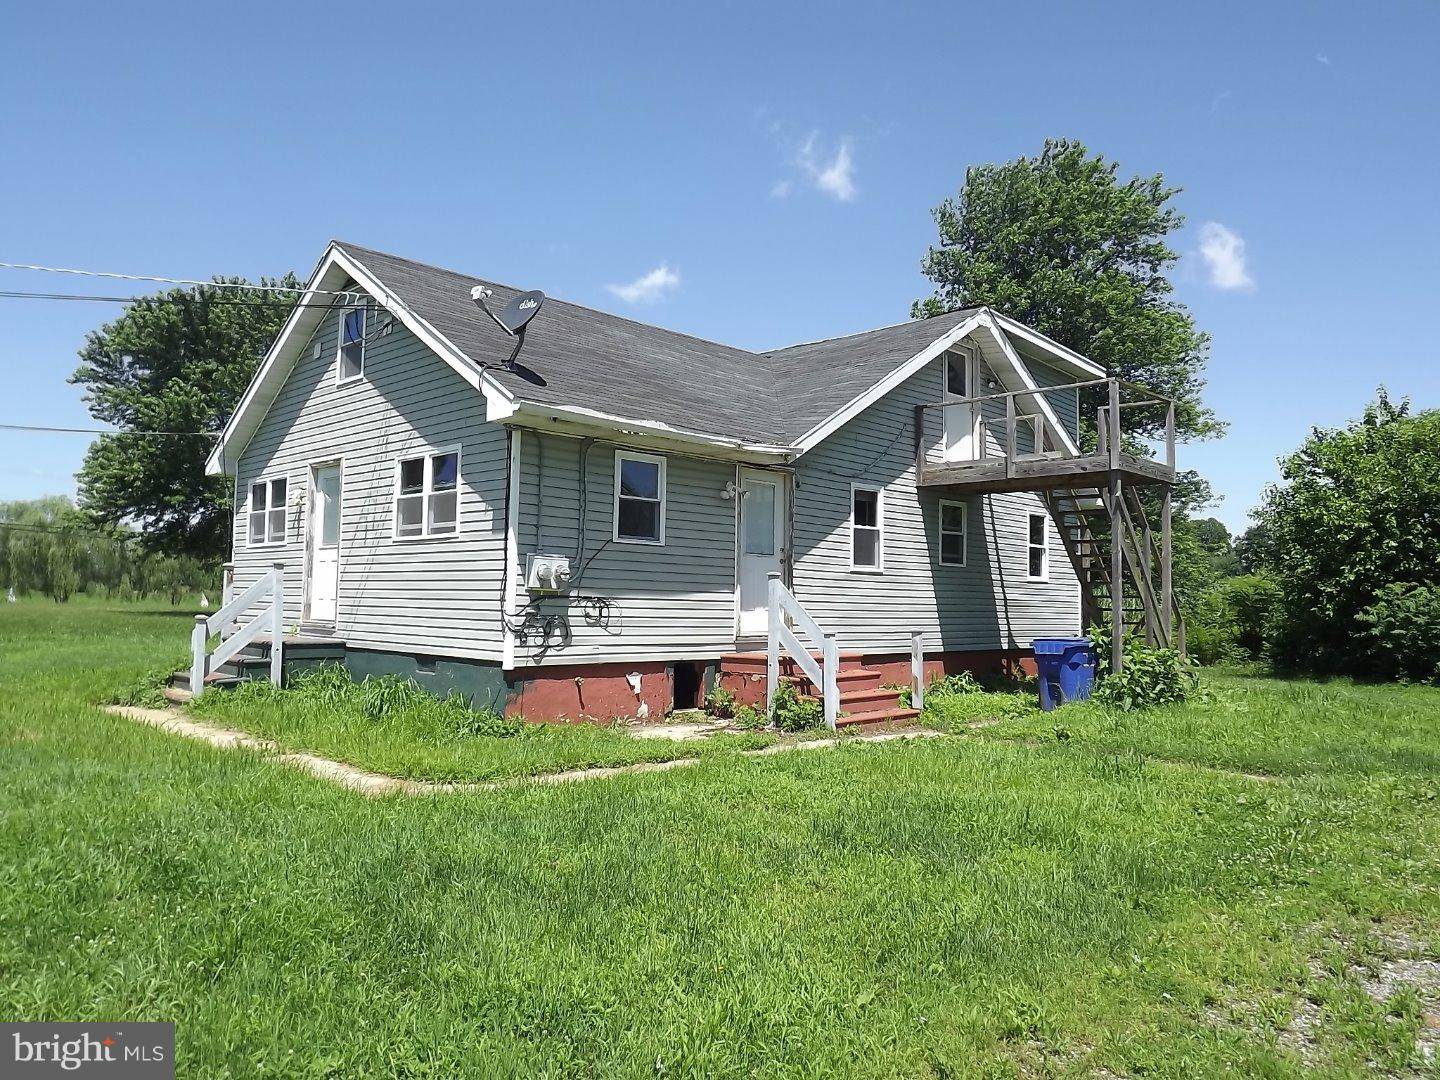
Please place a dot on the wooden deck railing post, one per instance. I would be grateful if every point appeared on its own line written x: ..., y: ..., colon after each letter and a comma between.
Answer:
x: 919, y: 443
x: 1170, y: 436
x: 1167, y: 610
x: 917, y: 669
x: 772, y: 645
x: 227, y: 583
x: 277, y: 625
x: 1009, y: 436
x: 197, y: 656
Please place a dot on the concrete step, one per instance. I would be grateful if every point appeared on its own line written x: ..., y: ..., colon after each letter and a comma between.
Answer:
x: 177, y: 696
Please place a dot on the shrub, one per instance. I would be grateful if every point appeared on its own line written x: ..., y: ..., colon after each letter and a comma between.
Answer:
x: 1230, y: 621
x: 749, y: 718
x: 791, y: 712
x: 1402, y: 632
x: 720, y: 704
x: 1151, y: 676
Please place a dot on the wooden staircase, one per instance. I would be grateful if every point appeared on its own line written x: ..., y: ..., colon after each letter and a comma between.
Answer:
x: 1083, y: 516
x: 863, y: 700
x: 251, y: 662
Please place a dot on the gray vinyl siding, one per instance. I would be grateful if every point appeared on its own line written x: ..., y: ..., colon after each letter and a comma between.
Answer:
x: 1066, y: 403
x: 438, y: 595
x: 987, y: 604
x: 631, y: 601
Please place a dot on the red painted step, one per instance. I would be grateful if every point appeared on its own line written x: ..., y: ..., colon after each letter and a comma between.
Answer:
x: 894, y: 715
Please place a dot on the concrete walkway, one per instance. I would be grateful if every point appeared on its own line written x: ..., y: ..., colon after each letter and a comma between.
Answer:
x: 376, y: 784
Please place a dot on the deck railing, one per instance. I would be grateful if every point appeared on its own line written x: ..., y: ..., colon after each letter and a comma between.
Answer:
x: 824, y: 674
x: 1012, y: 428
x: 268, y: 591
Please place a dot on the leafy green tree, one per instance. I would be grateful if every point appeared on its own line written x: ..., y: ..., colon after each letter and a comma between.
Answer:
x: 174, y: 362
x: 1059, y: 242
x: 1356, y: 513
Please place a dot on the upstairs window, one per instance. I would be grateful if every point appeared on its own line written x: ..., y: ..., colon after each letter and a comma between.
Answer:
x: 867, y: 518
x: 267, y: 512
x: 952, y: 542
x: 352, y: 345
x: 1038, y: 568
x: 639, y: 498
x: 427, y: 495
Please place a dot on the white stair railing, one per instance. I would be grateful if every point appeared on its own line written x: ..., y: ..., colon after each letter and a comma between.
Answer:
x: 782, y: 605
x: 270, y: 591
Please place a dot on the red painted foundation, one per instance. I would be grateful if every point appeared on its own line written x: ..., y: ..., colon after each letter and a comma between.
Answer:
x: 579, y: 692
x: 602, y: 692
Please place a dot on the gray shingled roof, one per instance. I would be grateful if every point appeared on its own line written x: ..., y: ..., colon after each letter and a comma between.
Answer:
x: 628, y: 369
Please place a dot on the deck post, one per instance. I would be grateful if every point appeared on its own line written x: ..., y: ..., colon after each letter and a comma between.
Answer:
x: 919, y: 443
x: 227, y: 584
x: 1009, y: 436
x: 197, y: 656
x: 277, y: 624
x: 832, y: 682
x: 1117, y: 576
x: 1112, y: 442
x: 772, y: 646
x: 1167, y: 612
x: 1170, y: 436
x: 917, y: 669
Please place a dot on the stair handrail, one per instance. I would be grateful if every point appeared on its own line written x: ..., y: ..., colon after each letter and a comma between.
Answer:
x: 269, y: 590
x: 824, y: 674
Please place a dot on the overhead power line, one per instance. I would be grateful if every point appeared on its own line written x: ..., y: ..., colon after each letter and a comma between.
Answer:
x: 170, y: 280
x: 218, y: 301
x: 108, y: 431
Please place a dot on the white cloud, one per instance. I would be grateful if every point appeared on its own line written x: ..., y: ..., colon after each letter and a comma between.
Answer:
x: 1322, y: 58
x: 1224, y: 253
x: 835, y: 176
x: 648, y: 288
x: 781, y: 189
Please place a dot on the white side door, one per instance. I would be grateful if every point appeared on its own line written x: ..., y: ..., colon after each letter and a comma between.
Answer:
x: 961, y: 421
x: 763, y: 517
x: 323, y: 584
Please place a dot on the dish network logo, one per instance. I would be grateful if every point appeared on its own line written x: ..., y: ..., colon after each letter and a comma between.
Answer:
x: 92, y: 1050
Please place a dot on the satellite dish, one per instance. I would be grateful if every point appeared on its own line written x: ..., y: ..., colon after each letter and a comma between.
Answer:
x: 514, y: 317
x: 520, y: 310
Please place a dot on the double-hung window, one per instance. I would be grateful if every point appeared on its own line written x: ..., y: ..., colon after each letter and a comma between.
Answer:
x: 1038, y: 567
x: 952, y: 533
x: 639, y: 498
x: 867, y: 522
x: 352, y: 345
x: 427, y: 495
x: 267, y: 511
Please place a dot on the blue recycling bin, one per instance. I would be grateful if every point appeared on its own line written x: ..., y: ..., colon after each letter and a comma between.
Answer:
x: 1066, y: 669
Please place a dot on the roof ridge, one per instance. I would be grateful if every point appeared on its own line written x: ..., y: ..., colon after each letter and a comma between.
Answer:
x: 872, y: 330
x: 557, y: 299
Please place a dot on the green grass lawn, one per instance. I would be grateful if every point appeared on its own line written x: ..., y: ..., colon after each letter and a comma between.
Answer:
x: 433, y: 744
x: 1026, y: 905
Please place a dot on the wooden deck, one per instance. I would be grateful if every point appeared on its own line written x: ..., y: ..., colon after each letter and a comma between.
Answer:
x: 1042, y: 473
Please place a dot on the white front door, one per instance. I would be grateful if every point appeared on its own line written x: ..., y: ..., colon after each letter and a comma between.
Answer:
x: 324, y: 556
x: 961, y: 421
x: 762, y: 545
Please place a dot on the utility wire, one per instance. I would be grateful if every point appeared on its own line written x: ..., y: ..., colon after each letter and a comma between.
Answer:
x: 108, y: 431
x: 170, y: 280
x: 217, y: 301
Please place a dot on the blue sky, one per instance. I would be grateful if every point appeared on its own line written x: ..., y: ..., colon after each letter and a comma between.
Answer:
x: 757, y: 174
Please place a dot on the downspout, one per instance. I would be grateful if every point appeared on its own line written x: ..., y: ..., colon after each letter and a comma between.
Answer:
x: 512, y: 549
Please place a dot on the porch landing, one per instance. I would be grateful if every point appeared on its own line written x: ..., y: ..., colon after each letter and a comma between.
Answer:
x: 863, y: 700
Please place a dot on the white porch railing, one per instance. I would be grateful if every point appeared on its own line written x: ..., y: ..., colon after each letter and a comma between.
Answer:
x: 822, y: 674
x: 270, y: 591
